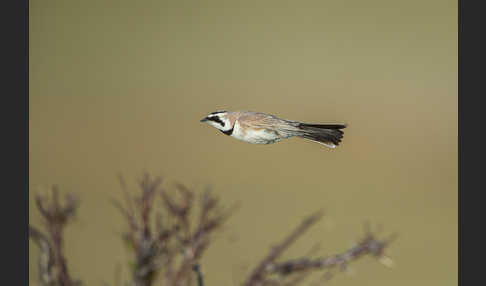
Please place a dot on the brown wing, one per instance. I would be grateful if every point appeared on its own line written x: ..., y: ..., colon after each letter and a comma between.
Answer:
x: 257, y: 120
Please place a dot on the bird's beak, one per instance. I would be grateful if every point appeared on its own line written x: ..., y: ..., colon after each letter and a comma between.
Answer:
x: 204, y: 119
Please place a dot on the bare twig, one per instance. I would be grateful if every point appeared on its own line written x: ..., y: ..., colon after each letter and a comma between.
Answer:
x: 197, y: 268
x: 293, y: 272
x: 194, y: 240
x: 46, y: 258
x: 56, y: 216
x: 369, y: 245
x: 169, y: 246
x: 256, y: 277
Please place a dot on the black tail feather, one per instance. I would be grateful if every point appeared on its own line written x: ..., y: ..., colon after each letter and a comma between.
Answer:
x: 329, y: 134
x: 324, y: 126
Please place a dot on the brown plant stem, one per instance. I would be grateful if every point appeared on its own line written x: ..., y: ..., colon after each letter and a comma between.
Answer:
x: 256, y: 277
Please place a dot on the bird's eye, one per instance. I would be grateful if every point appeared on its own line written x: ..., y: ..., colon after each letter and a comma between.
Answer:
x: 217, y: 120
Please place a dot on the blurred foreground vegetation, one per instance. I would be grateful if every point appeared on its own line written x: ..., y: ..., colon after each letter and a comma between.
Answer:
x: 168, y: 240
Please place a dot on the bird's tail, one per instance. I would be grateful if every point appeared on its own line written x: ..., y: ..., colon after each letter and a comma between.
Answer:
x: 329, y: 135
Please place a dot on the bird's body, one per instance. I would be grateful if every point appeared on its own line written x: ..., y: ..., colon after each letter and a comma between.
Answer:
x: 262, y: 128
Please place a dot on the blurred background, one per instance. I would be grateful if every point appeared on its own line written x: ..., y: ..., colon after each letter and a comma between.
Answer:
x: 120, y: 86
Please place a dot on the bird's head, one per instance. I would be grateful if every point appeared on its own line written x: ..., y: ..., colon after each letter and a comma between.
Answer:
x: 219, y: 120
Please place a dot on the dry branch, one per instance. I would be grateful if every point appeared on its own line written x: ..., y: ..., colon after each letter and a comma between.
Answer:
x: 293, y: 272
x: 172, y: 246
x: 257, y: 276
x: 367, y: 246
x: 197, y: 268
x: 46, y: 257
x: 53, y: 268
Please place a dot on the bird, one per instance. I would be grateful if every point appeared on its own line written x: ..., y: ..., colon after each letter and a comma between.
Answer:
x: 262, y: 128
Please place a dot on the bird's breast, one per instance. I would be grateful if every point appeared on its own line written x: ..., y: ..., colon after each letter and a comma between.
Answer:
x: 254, y: 135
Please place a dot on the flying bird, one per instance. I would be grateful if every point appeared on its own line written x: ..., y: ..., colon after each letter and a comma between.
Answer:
x: 262, y: 128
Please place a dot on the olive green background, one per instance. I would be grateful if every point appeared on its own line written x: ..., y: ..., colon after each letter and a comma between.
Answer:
x: 120, y: 86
